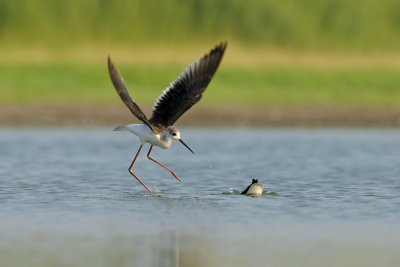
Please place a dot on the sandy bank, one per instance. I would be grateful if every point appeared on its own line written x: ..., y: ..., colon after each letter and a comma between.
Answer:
x: 200, y: 115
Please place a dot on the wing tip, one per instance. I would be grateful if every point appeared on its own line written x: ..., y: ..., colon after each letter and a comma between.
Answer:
x: 111, y: 67
x: 222, y: 45
x: 215, y: 55
x: 220, y: 48
x: 114, y: 73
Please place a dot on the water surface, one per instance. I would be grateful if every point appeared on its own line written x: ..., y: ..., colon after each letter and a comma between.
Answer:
x: 331, y: 197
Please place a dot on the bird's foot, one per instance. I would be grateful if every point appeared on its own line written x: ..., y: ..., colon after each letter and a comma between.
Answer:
x: 176, y: 177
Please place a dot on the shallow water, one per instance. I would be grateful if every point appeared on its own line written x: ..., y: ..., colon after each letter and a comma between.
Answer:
x: 331, y: 197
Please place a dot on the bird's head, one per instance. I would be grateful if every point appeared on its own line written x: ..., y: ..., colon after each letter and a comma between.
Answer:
x: 176, y: 135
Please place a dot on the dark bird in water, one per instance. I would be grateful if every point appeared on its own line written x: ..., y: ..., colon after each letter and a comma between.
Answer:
x: 182, y: 94
x: 254, y: 189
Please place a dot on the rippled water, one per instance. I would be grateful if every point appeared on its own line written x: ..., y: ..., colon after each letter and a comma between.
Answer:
x: 331, y: 197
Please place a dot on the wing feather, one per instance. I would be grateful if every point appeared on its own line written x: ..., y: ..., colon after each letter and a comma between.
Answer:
x: 187, y: 89
x: 122, y: 91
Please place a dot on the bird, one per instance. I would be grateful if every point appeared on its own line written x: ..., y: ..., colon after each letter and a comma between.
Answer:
x: 176, y: 99
x: 254, y: 189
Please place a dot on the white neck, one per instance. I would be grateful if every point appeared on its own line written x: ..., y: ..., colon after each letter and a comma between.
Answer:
x: 165, y: 140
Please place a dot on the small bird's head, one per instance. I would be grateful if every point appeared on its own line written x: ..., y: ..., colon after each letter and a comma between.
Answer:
x: 173, y: 133
x: 176, y: 135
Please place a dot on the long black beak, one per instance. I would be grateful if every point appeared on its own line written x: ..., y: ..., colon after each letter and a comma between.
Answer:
x: 183, y: 143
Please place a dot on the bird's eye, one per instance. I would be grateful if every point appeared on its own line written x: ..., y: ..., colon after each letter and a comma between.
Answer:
x: 173, y: 134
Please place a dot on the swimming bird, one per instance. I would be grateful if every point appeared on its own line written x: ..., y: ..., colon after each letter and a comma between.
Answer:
x: 182, y: 94
x: 255, y: 189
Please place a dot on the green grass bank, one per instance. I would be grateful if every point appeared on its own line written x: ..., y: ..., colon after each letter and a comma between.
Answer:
x: 264, y: 86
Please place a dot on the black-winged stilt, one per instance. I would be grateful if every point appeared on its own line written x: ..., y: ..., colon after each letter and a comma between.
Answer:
x: 182, y: 93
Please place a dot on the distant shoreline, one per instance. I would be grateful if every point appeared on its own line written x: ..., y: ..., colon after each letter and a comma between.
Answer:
x: 203, y: 116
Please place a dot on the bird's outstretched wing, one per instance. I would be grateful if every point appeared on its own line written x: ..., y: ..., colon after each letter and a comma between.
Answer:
x: 120, y: 86
x: 187, y: 89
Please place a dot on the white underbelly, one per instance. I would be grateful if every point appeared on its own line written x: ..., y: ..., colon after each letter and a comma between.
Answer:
x: 144, y: 133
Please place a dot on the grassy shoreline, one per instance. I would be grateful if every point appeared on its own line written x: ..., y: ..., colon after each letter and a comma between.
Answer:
x: 280, y: 87
x: 269, y: 86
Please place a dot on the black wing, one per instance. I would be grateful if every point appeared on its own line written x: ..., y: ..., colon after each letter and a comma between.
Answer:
x: 187, y: 89
x: 254, y: 181
x: 246, y: 190
x: 120, y: 86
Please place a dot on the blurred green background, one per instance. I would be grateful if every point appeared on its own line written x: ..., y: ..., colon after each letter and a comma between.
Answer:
x: 289, y: 53
x: 307, y: 25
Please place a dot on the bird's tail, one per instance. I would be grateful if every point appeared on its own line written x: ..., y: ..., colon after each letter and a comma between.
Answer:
x: 121, y: 128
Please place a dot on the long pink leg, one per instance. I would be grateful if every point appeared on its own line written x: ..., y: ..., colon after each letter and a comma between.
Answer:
x: 130, y: 169
x: 148, y: 155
